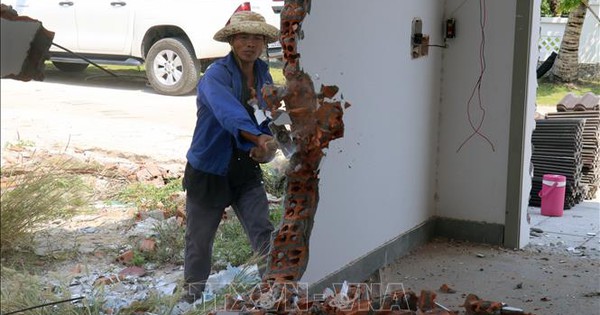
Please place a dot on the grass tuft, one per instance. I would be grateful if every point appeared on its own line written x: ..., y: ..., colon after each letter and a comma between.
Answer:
x: 550, y: 93
x: 21, y: 291
x: 170, y: 243
x: 147, y: 196
x: 34, y: 194
x: 231, y: 245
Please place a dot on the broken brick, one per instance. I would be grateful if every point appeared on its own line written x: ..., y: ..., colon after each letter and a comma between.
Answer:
x: 147, y: 245
x: 427, y: 300
x: 476, y: 306
x: 153, y: 170
x: 446, y: 289
x: 133, y: 271
x: 316, y: 121
x: 149, y: 173
x: 77, y: 269
x: 181, y: 212
x: 102, y: 280
x: 125, y: 258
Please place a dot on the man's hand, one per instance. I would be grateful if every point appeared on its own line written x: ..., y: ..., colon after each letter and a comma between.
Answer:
x: 265, y: 149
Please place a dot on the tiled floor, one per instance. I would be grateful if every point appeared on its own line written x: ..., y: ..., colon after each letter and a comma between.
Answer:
x: 577, y: 231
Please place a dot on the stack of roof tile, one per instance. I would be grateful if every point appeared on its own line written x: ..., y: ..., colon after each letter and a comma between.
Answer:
x: 588, y: 102
x: 557, y: 145
x: 586, y: 107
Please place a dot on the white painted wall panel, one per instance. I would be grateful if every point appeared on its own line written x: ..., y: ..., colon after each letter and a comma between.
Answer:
x: 378, y: 181
x: 398, y: 164
x: 472, y: 180
x: 529, y: 125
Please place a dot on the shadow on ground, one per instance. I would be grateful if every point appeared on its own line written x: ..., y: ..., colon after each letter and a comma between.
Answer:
x: 121, y: 79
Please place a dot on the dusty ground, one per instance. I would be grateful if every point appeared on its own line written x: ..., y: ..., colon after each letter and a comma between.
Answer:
x: 537, y: 282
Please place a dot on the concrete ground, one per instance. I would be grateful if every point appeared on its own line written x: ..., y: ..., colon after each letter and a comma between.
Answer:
x: 558, y: 273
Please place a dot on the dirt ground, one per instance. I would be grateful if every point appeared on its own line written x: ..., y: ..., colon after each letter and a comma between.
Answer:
x: 537, y: 282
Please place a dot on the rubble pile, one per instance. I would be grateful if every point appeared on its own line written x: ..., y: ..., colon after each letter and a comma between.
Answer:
x: 353, y: 300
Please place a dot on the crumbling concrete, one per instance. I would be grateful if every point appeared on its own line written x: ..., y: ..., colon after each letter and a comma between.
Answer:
x: 316, y: 119
x: 25, y: 44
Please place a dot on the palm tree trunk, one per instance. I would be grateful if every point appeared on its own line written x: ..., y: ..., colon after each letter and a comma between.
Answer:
x: 567, y: 63
x: 554, y: 7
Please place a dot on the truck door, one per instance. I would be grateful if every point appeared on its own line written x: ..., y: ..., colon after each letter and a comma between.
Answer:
x: 56, y: 16
x: 105, y: 26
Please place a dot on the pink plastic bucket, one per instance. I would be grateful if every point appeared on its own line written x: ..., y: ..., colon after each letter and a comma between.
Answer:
x: 553, y: 195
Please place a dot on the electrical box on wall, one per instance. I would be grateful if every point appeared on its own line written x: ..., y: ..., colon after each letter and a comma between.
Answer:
x: 419, y: 43
x: 450, y: 28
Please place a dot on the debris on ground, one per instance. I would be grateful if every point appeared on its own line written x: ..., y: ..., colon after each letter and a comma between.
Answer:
x: 105, y: 242
x: 352, y: 299
x: 446, y: 289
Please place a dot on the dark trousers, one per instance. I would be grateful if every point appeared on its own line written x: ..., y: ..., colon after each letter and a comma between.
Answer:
x: 249, y: 201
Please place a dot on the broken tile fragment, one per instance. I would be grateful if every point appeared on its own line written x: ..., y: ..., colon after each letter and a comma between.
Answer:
x: 446, y: 289
x: 133, y: 271
x: 147, y: 245
x: 103, y: 280
x: 125, y: 258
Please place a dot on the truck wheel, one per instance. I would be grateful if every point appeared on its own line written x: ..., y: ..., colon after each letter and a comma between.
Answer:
x: 70, y: 67
x: 171, y: 67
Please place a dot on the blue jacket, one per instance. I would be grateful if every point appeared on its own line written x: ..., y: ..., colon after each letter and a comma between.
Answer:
x: 221, y: 115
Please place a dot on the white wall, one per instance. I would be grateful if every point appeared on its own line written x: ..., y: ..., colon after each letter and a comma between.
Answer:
x: 398, y: 164
x: 378, y: 181
x: 472, y: 181
x: 529, y: 125
x: 589, y: 49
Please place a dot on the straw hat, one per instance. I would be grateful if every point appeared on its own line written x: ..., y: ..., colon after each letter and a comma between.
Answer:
x: 247, y: 22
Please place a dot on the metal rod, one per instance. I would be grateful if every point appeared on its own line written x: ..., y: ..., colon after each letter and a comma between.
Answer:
x: 43, y: 305
x: 86, y: 59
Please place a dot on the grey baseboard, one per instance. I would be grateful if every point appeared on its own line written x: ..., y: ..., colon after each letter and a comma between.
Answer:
x: 476, y: 232
x: 360, y: 269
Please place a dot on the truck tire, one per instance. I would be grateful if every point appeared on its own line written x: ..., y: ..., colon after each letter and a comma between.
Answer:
x: 171, y: 67
x: 70, y: 67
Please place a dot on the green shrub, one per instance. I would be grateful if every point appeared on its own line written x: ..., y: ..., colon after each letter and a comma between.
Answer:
x: 138, y: 258
x: 147, y: 196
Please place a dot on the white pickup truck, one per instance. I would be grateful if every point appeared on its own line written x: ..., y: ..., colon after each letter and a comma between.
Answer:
x: 173, y: 38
